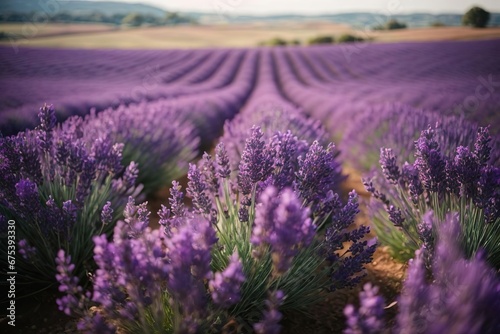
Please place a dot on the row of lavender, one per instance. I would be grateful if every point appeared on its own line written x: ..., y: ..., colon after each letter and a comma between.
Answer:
x: 264, y: 236
x: 335, y: 84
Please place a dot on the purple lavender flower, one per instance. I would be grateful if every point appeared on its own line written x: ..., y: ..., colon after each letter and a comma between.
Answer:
x: 107, y: 213
x: 172, y: 218
x: 256, y: 162
x: 429, y: 161
x: 350, y: 263
x: 48, y: 120
x: 368, y: 319
x: 197, y: 189
x: 108, y: 155
x: 67, y: 283
x: 389, y: 165
x: 95, y: 324
x: 282, y: 223
x: 226, y: 286
x: 176, y: 200
x: 395, y: 216
x: 482, y: 148
x: 467, y: 171
x: 319, y: 172
x: 488, y: 196
x: 270, y: 324
x: 87, y: 175
x: 464, y: 296
x: 208, y: 170
x: 410, y: 176
x: 136, y: 217
x: 131, y: 275
x: 287, y: 149
x: 189, y: 255
x: 131, y: 174
x: 26, y: 251
x: 70, y: 210
x: 223, y: 167
x: 27, y: 192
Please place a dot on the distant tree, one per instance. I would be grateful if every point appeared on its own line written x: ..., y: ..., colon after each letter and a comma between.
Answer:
x: 394, y: 24
x: 277, y: 42
x: 476, y: 17
x: 390, y: 25
x: 437, y: 24
x: 321, y: 40
x: 348, y: 38
x: 133, y: 19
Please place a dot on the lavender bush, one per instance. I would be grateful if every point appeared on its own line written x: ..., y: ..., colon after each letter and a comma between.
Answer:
x: 271, y: 118
x: 461, y: 296
x: 398, y: 126
x: 245, y: 255
x: 156, y: 136
x: 60, y: 191
x: 463, y: 182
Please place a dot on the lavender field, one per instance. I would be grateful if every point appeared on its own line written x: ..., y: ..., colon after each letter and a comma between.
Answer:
x: 208, y: 191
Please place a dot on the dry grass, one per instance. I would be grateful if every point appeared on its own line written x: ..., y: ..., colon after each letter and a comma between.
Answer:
x: 242, y: 35
x: 435, y: 34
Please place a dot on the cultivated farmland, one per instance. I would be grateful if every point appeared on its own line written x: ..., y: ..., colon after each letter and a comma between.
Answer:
x: 205, y: 190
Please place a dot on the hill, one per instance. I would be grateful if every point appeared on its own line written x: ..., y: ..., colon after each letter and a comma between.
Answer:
x: 79, y: 7
x: 356, y: 20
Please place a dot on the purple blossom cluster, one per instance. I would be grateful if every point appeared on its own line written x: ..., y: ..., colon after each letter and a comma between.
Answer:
x: 270, y: 324
x: 272, y: 119
x: 142, y: 275
x: 49, y: 180
x: 285, y: 192
x: 397, y: 126
x: 156, y: 136
x: 462, y: 181
x: 461, y: 296
x: 283, y: 161
x: 225, y: 286
x: 282, y: 224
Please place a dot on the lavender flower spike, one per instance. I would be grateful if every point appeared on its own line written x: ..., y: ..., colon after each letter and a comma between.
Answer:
x: 369, y: 318
x: 189, y: 253
x: 107, y: 213
x: 284, y: 224
x: 225, y: 286
x: 222, y: 159
x: 272, y: 317
x: 389, y: 165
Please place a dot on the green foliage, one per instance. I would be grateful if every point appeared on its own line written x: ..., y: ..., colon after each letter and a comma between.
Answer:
x: 391, y: 25
x: 438, y: 24
x: 277, y: 42
x: 476, y: 17
x: 403, y: 242
x: 348, y: 38
x: 321, y: 40
x: 133, y: 20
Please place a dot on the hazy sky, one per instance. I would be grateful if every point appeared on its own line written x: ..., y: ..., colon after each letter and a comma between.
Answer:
x: 323, y: 6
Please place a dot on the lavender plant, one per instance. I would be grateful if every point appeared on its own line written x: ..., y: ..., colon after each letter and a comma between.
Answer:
x: 271, y: 118
x: 464, y: 182
x: 60, y: 191
x: 460, y: 296
x: 244, y: 256
x: 398, y: 126
x: 157, y: 136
